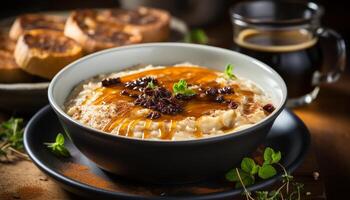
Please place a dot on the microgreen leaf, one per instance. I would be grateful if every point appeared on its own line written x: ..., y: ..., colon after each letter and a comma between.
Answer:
x: 232, y: 175
x: 58, y: 147
x: 266, y: 171
x: 229, y: 72
x: 151, y: 85
x: 246, y: 179
x: 196, y: 36
x: 271, y: 157
x: 248, y: 165
x: 181, y: 88
x: 276, y: 157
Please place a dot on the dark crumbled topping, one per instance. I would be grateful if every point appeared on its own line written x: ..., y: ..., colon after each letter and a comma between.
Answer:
x: 211, y: 92
x: 269, y: 108
x: 219, y: 99
x: 225, y: 90
x: 140, y: 83
x: 110, y: 82
x: 153, y: 115
x: 163, y: 101
x: 159, y: 99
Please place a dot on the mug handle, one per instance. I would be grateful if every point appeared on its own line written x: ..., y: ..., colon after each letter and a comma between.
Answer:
x: 334, y: 73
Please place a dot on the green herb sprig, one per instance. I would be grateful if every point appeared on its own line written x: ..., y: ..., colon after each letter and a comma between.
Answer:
x: 11, y: 138
x: 229, y: 72
x: 58, y: 147
x: 196, y: 36
x: 151, y: 85
x: 246, y: 175
x: 182, y: 88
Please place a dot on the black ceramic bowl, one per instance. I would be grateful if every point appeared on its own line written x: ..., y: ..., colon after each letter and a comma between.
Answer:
x: 165, y: 161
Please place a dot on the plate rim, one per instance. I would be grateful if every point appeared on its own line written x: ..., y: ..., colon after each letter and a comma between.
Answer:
x: 65, y: 181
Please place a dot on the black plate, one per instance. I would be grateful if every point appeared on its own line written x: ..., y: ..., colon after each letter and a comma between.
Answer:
x: 288, y: 134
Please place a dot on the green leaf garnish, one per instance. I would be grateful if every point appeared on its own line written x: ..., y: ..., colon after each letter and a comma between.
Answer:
x: 229, y: 72
x: 248, y: 165
x: 271, y: 157
x: 196, y: 36
x: 58, y: 147
x: 232, y: 175
x: 181, y: 88
x: 151, y: 85
x: 246, y: 176
x: 11, y: 133
x: 267, y: 171
x: 246, y: 180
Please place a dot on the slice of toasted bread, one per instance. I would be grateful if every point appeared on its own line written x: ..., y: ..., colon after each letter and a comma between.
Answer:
x: 153, y: 24
x: 44, y: 52
x: 6, y: 43
x: 10, y: 72
x: 95, y: 33
x: 35, y: 21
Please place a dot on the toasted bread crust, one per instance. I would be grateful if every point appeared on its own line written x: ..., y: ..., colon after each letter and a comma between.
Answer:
x: 95, y: 33
x: 153, y: 24
x: 35, y: 21
x: 6, y: 43
x: 45, y: 52
x: 10, y: 72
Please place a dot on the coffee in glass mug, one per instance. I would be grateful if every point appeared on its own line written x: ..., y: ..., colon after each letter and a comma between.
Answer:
x: 287, y: 36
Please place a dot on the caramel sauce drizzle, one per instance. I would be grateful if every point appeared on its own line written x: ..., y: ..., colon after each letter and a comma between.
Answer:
x: 125, y: 121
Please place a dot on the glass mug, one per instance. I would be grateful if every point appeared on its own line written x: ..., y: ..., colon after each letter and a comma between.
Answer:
x: 288, y: 37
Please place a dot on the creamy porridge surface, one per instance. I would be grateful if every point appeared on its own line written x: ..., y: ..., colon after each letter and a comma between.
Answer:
x: 144, y: 103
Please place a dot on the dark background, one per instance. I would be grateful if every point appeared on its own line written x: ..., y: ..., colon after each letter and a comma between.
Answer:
x: 218, y: 27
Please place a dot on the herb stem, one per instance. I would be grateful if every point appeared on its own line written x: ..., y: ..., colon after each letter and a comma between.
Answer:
x: 286, y: 174
x: 246, y: 192
x: 5, y: 146
x: 23, y: 155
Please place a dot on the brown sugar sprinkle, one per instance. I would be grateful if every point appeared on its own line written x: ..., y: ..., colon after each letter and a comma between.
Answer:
x: 82, y: 173
x: 269, y: 108
x: 110, y: 81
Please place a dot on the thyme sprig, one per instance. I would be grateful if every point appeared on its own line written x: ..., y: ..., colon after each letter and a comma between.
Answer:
x: 11, y: 139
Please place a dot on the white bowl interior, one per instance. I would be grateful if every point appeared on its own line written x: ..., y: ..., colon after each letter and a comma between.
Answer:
x: 117, y: 59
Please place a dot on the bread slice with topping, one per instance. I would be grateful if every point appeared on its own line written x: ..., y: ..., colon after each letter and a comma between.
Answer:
x: 153, y: 24
x: 44, y: 52
x: 35, y: 21
x: 95, y: 33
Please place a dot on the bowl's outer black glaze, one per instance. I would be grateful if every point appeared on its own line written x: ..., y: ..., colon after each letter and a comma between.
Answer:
x: 166, y: 162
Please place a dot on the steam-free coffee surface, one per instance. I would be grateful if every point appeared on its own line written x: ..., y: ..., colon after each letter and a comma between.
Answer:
x: 295, y: 55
